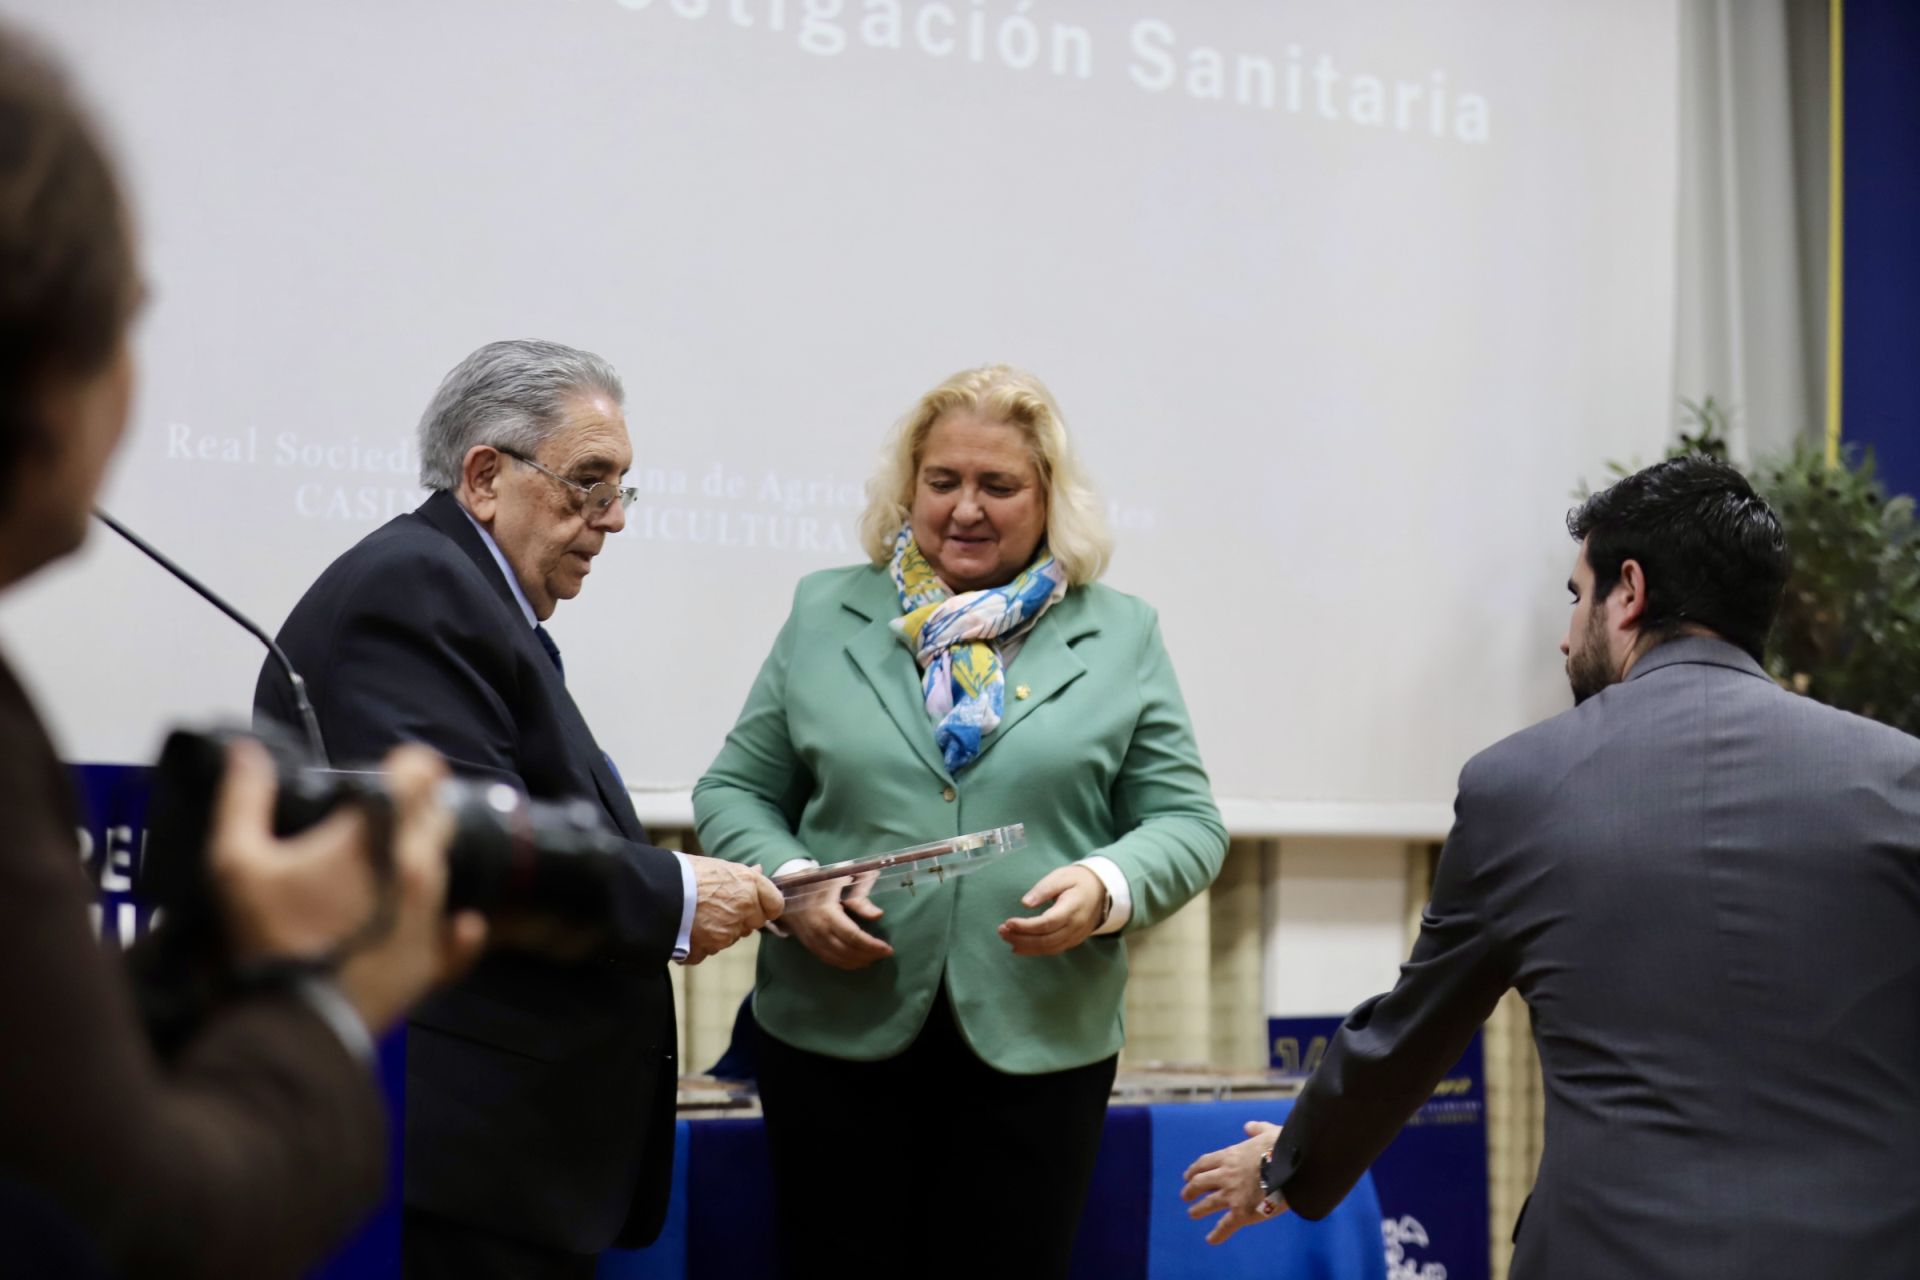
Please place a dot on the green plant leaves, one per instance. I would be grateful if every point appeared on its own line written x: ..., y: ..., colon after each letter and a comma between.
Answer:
x: 1848, y: 632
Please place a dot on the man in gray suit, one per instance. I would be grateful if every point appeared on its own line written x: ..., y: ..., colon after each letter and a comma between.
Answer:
x: 1708, y: 891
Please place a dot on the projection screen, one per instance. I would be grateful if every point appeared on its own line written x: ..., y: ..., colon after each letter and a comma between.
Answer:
x: 1342, y: 302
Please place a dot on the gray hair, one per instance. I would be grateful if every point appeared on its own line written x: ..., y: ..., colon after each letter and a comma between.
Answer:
x: 510, y: 395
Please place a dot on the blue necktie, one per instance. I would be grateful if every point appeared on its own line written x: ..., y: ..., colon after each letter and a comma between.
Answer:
x: 553, y: 650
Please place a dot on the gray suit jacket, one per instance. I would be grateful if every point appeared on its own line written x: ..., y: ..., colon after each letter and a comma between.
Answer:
x: 1708, y: 891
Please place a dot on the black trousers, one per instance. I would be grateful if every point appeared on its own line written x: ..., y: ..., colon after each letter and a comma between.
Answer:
x: 436, y: 1248
x: 929, y: 1164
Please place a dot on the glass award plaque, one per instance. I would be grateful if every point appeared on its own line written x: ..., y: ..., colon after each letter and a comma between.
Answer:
x: 922, y: 866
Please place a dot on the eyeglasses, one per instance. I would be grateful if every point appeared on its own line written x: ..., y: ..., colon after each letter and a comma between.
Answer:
x: 595, y: 497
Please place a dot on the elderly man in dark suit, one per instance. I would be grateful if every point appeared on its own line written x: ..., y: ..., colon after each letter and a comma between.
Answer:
x: 1708, y: 891
x: 539, y: 1104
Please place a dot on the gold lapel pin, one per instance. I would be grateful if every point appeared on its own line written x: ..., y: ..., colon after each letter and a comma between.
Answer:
x: 1021, y: 692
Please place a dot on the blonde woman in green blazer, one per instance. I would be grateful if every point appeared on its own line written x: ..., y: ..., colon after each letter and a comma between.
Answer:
x: 935, y: 1068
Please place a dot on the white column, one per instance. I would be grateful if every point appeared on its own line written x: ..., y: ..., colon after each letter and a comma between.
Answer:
x: 1236, y: 975
x: 1169, y: 1016
x: 714, y: 990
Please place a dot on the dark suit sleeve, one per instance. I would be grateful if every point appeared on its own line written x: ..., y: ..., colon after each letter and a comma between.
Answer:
x: 410, y: 659
x: 420, y: 653
x: 1392, y: 1050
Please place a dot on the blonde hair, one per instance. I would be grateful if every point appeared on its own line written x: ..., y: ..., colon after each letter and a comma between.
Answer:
x: 1076, y: 527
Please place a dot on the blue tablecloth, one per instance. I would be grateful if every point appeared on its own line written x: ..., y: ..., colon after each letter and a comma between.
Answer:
x: 1346, y: 1245
x: 720, y: 1223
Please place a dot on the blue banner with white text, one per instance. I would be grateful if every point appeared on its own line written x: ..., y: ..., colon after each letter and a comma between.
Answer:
x: 1432, y: 1179
x: 113, y: 841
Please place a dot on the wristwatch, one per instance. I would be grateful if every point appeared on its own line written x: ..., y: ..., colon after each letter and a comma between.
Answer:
x: 1270, y: 1179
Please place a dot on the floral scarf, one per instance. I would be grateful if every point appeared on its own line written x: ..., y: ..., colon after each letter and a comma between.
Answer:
x: 952, y: 637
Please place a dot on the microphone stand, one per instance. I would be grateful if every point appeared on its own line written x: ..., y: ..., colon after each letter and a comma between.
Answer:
x: 311, y: 722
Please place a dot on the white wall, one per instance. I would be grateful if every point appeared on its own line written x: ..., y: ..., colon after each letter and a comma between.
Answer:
x: 1335, y: 923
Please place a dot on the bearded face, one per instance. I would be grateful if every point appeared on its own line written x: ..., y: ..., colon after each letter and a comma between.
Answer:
x: 1589, y: 667
x: 1590, y: 663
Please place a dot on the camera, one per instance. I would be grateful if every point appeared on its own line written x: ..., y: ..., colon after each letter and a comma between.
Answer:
x: 551, y: 864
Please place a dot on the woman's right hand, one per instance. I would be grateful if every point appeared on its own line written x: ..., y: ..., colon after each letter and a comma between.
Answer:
x: 826, y: 927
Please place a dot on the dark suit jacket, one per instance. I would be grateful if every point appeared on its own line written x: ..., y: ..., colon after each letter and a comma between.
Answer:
x: 251, y: 1152
x: 539, y: 1096
x: 1708, y: 891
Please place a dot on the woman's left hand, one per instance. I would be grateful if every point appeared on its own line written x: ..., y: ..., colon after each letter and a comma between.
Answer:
x: 1079, y: 899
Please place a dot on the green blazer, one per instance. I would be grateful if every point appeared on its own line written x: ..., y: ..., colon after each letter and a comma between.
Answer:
x: 833, y: 757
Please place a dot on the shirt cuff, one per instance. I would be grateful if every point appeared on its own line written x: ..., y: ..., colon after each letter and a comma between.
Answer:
x: 334, y: 1009
x: 690, y: 899
x: 1116, y: 881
